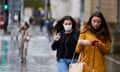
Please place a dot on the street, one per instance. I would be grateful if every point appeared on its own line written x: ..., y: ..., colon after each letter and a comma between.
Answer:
x: 40, y: 56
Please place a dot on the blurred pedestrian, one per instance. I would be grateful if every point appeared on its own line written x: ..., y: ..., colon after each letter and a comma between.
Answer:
x: 50, y: 28
x: 24, y: 40
x: 65, y: 42
x: 31, y: 21
x: 94, y: 43
x: 41, y: 22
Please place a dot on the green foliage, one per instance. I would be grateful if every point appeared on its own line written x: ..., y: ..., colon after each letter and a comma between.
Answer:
x: 34, y: 3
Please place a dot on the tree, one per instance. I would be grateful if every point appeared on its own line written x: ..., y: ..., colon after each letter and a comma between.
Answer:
x: 34, y: 3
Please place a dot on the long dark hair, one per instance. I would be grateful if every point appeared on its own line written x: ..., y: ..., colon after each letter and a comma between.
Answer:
x: 59, y: 25
x: 103, y: 32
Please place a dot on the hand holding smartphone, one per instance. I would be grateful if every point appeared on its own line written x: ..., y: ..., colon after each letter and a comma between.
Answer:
x: 95, y: 42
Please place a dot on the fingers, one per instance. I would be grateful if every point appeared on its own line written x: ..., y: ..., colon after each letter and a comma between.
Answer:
x: 57, y: 37
x: 95, y: 43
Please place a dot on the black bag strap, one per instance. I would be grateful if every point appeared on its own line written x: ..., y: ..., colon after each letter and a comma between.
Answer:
x: 79, y: 57
x: 73, y: 57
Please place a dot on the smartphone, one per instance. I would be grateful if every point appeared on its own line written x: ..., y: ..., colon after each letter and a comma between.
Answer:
x: 94, y: 42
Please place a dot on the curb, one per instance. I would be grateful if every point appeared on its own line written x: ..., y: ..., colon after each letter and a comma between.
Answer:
x: 112, y: 59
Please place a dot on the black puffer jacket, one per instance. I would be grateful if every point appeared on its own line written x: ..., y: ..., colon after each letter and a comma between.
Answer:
x: 66, y: 45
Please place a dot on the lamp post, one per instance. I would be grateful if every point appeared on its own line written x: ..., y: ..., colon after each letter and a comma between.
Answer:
x: 17, y: 8
x: 1, y: 3
x: 22, y: 11
x: 118, y: 27
x: 6, y: 11
x: 16, y: 13
x: 48, y: 9
x: 98, y: 7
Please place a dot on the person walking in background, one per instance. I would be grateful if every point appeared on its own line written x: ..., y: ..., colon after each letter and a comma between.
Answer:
x: 41, y: 22
x: 94, y: 42
x: 24, y: 40
x: 50, y: 29
x: 31, y: 21
x: 65, y: 42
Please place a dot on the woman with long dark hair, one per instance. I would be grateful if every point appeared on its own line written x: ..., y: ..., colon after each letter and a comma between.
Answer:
x: 94, y: 43
x: 65, y: 42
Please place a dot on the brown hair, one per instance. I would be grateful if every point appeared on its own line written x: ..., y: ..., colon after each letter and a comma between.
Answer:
x: 27, y: 24
x: 103, y: 32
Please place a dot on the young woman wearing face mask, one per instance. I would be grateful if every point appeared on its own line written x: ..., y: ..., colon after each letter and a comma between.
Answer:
x: 94, y: 42
x: 65, y: 42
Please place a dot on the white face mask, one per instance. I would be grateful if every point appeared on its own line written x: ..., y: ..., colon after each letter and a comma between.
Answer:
x: 67, y: 27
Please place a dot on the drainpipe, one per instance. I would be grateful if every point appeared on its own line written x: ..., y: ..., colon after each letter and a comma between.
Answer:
x: 118, y: 11
x: 98, y: 7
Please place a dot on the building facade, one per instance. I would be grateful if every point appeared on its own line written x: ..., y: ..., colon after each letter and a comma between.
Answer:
x: 108, y: 8
x: 62, y: 8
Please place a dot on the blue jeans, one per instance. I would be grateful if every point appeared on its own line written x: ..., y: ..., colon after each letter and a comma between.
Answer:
x: 63, y: 64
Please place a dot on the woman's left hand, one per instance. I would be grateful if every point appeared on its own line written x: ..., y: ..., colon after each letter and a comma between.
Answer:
x: 96, y: 43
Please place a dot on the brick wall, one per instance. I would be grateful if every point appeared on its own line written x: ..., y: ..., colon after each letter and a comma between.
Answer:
x: 87, y: 9
x: 108, y: 8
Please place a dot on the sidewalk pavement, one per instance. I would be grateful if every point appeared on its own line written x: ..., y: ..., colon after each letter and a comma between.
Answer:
x: 114, y: 58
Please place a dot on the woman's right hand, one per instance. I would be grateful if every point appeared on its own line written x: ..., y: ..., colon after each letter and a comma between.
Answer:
x: 57, y: 37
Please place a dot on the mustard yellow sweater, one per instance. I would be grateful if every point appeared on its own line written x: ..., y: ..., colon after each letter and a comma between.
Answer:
x: 97, y: 59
